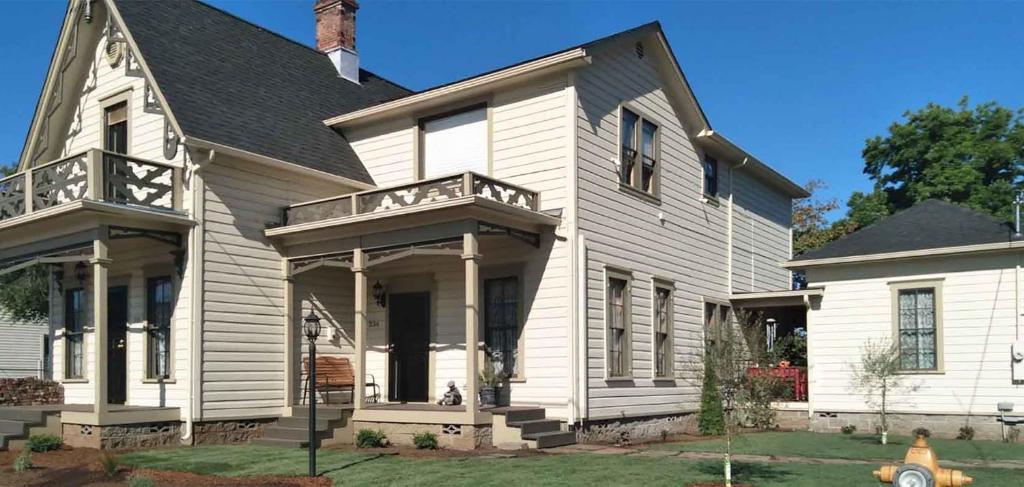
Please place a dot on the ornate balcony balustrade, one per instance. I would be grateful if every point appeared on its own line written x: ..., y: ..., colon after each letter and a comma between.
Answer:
x: 94, y: 175
x: 411, y: 195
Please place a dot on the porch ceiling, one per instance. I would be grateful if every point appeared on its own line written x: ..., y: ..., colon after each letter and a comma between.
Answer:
x: 772, y: 299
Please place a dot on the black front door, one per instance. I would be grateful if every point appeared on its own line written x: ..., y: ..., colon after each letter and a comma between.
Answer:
x: 117, y: 327
x: 409, y: 350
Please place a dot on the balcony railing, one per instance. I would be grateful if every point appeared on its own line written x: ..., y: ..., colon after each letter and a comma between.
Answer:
x: 94, y: 175
x: 411, y: 195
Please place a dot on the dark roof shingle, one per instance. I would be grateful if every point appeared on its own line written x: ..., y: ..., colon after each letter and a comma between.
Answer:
x: 234, y: 83
x: 930, y: 224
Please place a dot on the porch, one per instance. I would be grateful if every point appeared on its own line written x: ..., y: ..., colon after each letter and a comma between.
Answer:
x: 404, y: 278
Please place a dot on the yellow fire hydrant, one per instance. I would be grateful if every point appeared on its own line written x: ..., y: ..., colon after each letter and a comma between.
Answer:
x: 920, y: 468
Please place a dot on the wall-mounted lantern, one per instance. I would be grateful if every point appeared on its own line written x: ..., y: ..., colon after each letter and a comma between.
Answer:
x: 58, y: 278
x: 81, y: 272
x: 380, y: 295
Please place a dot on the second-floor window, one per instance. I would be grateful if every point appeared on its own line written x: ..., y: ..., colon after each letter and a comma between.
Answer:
x: 710, y: 177
x: 116, y: 128
x: 638, y: 152
x: 454, y: 143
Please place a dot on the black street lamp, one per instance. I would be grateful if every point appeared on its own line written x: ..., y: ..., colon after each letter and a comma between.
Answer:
x: 311, y: 328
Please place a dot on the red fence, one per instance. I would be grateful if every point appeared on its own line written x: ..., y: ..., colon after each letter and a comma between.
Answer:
x: 794, y: 377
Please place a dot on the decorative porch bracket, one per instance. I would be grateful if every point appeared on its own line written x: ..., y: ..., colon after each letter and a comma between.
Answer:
x: 490, y: 229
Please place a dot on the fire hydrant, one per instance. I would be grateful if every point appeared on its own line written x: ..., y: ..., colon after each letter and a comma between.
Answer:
x: 920, y: 468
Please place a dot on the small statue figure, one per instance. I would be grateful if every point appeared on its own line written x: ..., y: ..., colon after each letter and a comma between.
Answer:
x: 452, y: 397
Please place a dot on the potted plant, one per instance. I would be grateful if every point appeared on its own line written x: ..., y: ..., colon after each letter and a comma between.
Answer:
x: 491, y: 380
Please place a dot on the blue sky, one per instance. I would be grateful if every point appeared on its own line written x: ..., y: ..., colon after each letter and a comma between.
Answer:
x: 799, y: 84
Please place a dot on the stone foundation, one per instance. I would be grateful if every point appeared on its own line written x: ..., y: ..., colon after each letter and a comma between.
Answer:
x: 30, y: 391
x: 792, y: 420
x: 633, y: 430
x: 228, y: 432
x: 940, y: 425
x: 456, y: 437
x: 121, y: 437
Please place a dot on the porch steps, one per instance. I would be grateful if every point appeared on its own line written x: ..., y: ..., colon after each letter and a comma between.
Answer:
x: 293, y: 431
x: 16, y: 425
x: 534, y: 429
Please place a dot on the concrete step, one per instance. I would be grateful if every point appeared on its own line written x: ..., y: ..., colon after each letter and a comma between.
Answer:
x: 302, y: 423
x: 279, y: 433
x: 537, y: 426
x: 3, y: 442
x: 13, y: 428
x: 513, y: 446
x: 30, y: 416
x: 322, y: 412
x: 520, y: 414
x: 552, y: 438
x: 282, y: 443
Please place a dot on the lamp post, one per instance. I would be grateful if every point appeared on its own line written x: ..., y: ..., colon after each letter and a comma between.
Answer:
x: 311, y: 328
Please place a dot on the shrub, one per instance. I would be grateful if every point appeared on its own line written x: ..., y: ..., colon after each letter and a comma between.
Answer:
x: 109, y: 465
x: 848, y: 429
x: 1013, y: 434
x: 44, y: 442
x: 966, y: 433
x: 712, y: 417
x: 755, y: 400
x: 922, y: 431
x: 24, y: 461
x: 425, y: 441
x: 371, y: 439
x: 140, y: 481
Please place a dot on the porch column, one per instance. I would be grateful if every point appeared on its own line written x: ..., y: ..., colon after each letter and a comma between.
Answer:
x: 100, y: 262
x: 359, y: 364
x: 290, y: 322
x: 471, y: 259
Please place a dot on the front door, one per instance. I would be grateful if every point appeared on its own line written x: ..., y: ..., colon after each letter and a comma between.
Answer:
x: 409, y: 350
x: 117, y: 327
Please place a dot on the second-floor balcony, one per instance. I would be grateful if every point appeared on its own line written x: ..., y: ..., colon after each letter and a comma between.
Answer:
x: 94, y: 175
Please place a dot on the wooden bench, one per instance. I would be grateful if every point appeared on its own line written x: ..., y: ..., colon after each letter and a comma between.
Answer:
x: 334, y: 373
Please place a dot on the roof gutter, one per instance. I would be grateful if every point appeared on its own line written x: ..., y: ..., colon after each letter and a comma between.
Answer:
x: 778, y: 180
x: 909, y: 254
x: 275, y: 163
x: 470, y: 87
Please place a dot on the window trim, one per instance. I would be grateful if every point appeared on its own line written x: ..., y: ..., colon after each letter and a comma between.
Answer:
x: 148, y: 377
x: 636, y: 175
x: 656, y: 284
x: 705, y: 158
x: 506, y: 272
x: 719, y: 305
x: 83, y: 377
x: 936, y: 286
x: 420, y: 120
x: 627, y: 299
x: 105, y: 103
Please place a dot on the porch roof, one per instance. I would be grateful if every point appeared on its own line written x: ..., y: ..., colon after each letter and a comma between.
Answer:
x: 772, y: 299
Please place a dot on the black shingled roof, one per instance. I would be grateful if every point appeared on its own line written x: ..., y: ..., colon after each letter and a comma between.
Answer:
x: 930, y: 224
x: 234, y: 83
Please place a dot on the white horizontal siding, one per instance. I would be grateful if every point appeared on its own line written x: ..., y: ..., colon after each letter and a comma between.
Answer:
x: 977, y: 328
x: 22, y: 347
x: 762, y: 218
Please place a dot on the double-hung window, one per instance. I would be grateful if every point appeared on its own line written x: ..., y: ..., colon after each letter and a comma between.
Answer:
x: 74, y: 334
x: 638, y: 152
x: 158, y: 326
x: 501, y: 324
x: 710, y: 177
x: 716, y: 317
x: 618, y: 325
x: 917, y: 312
x: 662, y: 330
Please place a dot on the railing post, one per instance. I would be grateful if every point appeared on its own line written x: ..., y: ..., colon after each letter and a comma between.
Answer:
x: 355, y: 203
x: 176, y: 189
x: 536, y: 201
x: 467, y: 184
x: 29, y: 193
x: 94, y: 175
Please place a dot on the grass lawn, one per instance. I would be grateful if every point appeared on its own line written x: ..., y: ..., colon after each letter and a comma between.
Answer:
x: 582, y: 469
x: 856, y: 446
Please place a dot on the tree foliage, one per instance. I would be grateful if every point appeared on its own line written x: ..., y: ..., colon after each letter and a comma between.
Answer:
x: 24, y: 293
x: 711, y: 420
x: 878, y: 376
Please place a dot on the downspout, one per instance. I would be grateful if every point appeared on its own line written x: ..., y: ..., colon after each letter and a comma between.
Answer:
x: 571, y: 237
x: 195, y: 256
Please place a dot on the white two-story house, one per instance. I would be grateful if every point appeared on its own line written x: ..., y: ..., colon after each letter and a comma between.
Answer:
x: 200, y: 185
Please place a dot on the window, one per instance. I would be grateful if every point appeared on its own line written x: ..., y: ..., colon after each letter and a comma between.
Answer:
x: 116, y: 128
x: 618, y: 324
x: 158, y: 327
x: 501, y: 324
x: 710, y: 177
x: 638, y: 152
x: 662, y: 330
x: 74, y: 333
x: 454, y: 143
x: 715, y: 317
x: 918, y: 324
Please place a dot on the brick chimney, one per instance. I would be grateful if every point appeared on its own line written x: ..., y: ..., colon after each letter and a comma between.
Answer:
x: 336, y: 35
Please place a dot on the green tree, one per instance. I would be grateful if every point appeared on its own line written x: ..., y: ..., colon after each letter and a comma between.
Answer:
x: 973, y: 156
x: 711, y: 420
x: 24, y: 293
